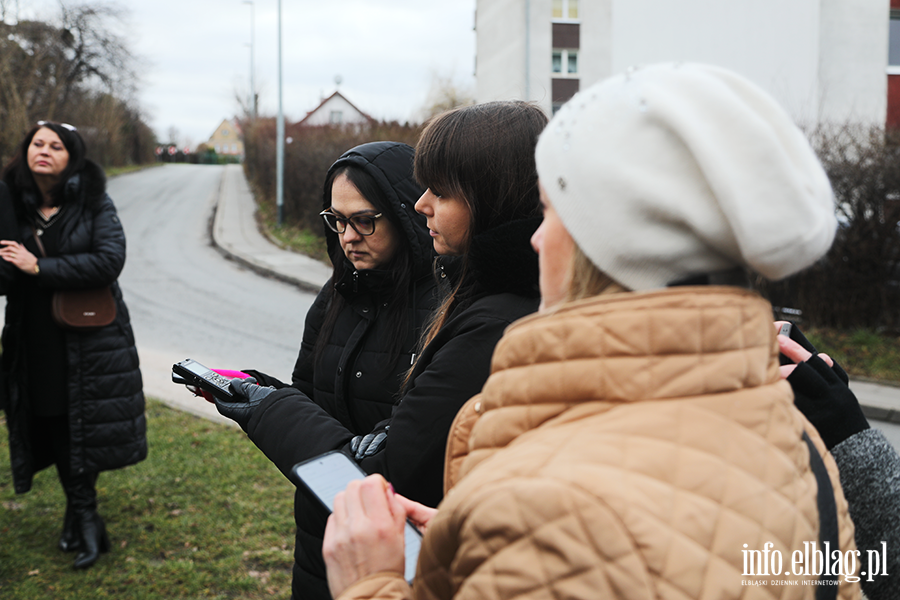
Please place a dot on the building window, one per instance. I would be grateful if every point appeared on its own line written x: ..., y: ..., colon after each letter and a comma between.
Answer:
x: 565, y: 9
x: 225, y: 132
x: 894, y: 43
x: 336, y: 117
x: 565, y: 61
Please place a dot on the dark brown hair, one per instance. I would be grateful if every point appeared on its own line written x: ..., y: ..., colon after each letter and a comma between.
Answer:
x: 484, y: 155
x: 18, y: 175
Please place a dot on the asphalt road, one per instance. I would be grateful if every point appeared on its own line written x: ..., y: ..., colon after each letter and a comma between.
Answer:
x: 186, y: 300
x: 891, y: 432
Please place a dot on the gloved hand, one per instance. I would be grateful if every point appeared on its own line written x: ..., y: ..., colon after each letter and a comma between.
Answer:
x: 826, y: 401
x: 367, y: 445
x: 247, y: 396
x: 821, y: 392
x: 798, y: 337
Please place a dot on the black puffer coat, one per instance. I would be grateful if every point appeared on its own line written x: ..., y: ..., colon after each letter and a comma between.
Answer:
x: 354, y: 382
x: 289, y: 428
x: 105, y: 391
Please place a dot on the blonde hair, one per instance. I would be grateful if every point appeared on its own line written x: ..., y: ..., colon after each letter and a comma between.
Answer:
x: 586, y: 280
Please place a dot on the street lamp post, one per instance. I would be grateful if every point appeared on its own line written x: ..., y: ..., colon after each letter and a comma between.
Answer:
x: 252, y: 61
x: 279, y: 134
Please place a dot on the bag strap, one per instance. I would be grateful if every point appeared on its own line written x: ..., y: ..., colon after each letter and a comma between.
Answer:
x: 828, y: 522
x: 37, y: 240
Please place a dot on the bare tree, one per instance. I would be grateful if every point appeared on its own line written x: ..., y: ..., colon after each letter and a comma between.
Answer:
x: 72, y: 69
x: 445, y: 93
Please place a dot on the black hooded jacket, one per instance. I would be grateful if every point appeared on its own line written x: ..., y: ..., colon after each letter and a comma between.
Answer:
x: 355, y: 381
x: 289, y: 428
x: 107, y: 426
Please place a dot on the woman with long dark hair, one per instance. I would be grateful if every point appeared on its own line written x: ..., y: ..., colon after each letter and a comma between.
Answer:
x: 73, y: 398
x: 481, y: 208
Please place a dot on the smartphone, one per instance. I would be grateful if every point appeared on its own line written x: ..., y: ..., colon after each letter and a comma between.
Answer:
x: 193, y: 373
x: 322, y: 477
x: 785, y: 329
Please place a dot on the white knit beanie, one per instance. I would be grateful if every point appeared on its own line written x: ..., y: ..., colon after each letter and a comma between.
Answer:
x: 675, y: 170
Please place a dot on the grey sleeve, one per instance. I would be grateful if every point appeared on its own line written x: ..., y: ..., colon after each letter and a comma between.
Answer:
x: 870, y: 477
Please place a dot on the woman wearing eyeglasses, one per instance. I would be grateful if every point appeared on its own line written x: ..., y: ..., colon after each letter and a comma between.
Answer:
x: 481, y: 208
x: 361, y: 332
x: 73, y: 398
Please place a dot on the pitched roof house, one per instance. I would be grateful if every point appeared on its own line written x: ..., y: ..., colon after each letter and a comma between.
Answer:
x: 336, y: 110
x: 227, y: 139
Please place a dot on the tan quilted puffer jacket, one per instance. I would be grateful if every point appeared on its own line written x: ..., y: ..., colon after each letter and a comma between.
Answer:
x: 628, y: 446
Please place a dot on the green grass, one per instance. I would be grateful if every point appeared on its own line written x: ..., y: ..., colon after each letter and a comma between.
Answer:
x: 205, y: 516
x: 863, y: 354
x: 114, y: 171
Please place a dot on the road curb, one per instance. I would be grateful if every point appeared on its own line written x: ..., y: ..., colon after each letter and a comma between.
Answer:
x: 876, y: 413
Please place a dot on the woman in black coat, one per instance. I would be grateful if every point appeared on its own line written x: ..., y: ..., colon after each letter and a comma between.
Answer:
x: 72, y: 398
x: 361, y: 332
x: 482, y: 207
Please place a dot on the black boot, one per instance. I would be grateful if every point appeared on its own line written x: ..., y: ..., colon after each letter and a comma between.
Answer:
x: 89, y: 524
x: 70, y: 540
x: 93, y: 536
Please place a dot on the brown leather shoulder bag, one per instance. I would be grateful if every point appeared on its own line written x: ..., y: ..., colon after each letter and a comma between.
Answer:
x: 81, y: 310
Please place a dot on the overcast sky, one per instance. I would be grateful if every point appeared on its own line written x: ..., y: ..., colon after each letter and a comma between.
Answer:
x: 196, y: 55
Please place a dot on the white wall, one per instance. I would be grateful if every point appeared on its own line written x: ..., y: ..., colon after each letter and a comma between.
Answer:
x: 853, y: 61
x: 775, y: 43
x: 824, y: 60
x: 595, y: 57
x: 500, y: 45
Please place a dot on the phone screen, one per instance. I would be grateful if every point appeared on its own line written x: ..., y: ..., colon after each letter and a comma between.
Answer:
x: 328, y: 474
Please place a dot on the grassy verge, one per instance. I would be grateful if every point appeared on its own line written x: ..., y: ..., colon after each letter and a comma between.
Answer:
x: 290, y: 236
x: 863, y: 354
x: 114, y: 171
x: 205, y: 516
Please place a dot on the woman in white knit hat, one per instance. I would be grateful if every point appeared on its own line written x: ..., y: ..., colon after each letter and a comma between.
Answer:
x: 634, y: 439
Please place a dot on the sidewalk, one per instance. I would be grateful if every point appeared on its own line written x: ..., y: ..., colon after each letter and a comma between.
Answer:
x: 235, y: 234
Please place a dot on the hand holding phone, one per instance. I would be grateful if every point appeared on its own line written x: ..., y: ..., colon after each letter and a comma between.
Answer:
x: 322, y: 477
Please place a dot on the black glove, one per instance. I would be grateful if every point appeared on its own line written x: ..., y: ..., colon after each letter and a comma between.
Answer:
x: 247, y: 396
x: 798, y: 337
x: 821, y: 395
x: 367, y: 445
x: 265, y: 379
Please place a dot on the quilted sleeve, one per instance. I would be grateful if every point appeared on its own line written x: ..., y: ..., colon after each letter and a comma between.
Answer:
x: 93, y: 256
x: 530, y: 538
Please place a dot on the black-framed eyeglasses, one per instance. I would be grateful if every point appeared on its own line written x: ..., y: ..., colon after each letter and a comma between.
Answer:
x: 361, y: 224
x: 64, y: 125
